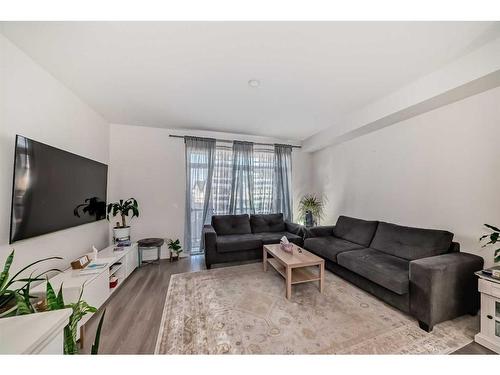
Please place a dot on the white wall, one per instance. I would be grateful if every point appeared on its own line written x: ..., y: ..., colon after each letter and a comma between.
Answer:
x: 34, y: 104
x: 149, y: 165
x: 438, y: 170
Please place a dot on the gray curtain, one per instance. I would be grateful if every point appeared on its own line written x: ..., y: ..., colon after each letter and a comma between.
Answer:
x: 263, y: 179
x: 282, y: 198
x: 200, y: 160
x: 242, y: 192
x: 221, y: 184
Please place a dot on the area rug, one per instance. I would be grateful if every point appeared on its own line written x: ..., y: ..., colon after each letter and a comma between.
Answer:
x: 243, y: 310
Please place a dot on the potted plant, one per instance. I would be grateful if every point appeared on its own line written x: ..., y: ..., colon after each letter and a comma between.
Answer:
x: 123, y: 208
x: 493, y: 238
x: 16, y: 299
x: 175, y: 249
x: 15, y: 290
x: 311, y: 209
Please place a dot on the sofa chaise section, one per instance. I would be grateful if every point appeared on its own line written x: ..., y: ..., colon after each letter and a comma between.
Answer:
x: 419, y: 271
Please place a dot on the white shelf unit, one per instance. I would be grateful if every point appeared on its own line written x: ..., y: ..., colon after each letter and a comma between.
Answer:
x: 114, y: 269
x: 489, y: 336
x: 96, y: 290
x: 118, y: 271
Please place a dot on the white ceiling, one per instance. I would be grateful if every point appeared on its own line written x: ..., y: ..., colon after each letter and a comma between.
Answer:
x: 194, y: 74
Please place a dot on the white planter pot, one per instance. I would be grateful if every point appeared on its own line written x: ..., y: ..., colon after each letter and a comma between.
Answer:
x: 121, y: 232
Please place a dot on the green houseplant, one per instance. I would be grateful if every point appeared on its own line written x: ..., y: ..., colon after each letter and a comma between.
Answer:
x: 17, y: 300
x: 175, y: 249
x: 310, y: 204
x: 123, y: 208
x: 15, y: 291
x: 80, y: 309
x: 492, y: 238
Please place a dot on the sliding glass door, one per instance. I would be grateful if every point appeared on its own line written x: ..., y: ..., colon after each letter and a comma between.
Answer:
x: 200, y: 157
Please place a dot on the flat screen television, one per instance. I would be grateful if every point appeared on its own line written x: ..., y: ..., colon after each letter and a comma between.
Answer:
x: 54, y: 189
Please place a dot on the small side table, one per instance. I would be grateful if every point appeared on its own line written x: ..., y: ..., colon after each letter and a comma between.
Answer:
x: 150, y: 244
x: 489, y: 336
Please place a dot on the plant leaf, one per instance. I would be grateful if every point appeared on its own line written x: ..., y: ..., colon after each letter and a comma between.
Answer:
x: 4, y: 276
x: 12, y: 280
x: 60, y: 298
x: 50, y: 295
x: 492, y: 227
x: 70, y: 346
x: 483, y: 237
x: 22, y: 306
x: 6, y: 297
x: 95, y: 345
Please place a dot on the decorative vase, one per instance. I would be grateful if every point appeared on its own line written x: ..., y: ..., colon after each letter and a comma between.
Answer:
x: 309, y: 219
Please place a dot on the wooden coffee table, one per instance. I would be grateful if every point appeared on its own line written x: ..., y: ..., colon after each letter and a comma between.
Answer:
x: 295, y: 266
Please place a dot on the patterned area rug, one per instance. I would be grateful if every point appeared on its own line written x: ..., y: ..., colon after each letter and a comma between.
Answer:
x: 242, y: 310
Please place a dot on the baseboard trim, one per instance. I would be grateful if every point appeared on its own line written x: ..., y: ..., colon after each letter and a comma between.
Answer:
x: 487, y: 342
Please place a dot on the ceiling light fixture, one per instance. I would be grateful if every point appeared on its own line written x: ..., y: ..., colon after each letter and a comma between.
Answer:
x: 254, y: 83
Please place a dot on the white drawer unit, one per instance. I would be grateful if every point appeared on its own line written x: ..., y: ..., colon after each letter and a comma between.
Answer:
x: 489, y: 336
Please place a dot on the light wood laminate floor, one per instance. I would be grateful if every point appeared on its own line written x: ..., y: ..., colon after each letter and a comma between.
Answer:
x: 133, y: 313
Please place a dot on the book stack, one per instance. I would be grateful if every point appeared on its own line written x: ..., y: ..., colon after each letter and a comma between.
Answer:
x: 120, y: 244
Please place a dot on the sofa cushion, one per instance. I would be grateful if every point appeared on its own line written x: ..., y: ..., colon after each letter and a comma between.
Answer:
x: 411, y: 243
x: 383, y: 269
x: 355, y: 230
x: 329, y: 247
x: 238, y: 242
x: 231, y: 224
x: 275, y: 237
x: 267, y: 223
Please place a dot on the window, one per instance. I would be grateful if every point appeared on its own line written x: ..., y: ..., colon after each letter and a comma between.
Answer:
x: 257, y: 192
x: 263, y: 173
x: 263, y: 180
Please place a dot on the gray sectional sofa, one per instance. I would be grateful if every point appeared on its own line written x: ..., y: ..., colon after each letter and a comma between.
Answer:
x: 419, y: 271
x: 233, y: 238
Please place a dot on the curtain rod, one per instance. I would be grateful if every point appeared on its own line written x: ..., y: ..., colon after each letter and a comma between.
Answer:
x: 231, y: 141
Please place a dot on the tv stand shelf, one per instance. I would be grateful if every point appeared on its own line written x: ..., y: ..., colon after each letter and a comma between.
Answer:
x: 114, y: 270
x: 96, y: 290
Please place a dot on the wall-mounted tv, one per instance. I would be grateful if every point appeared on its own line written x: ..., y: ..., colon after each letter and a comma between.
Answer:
x: 54, y: 189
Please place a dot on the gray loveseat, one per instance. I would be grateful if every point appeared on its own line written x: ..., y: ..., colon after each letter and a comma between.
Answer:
x: 232, y: 238
x: 419, y: 271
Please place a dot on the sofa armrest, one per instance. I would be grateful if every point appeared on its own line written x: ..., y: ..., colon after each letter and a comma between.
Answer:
x: 454, y: 247
x: 444, y: 287
x: 210, y: 241
x: 319, y: 231
x: 294, y: 228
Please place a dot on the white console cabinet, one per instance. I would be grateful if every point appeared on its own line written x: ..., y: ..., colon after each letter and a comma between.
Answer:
x: 40, y: 333
x: 489, y: 336
x: 96, y: 287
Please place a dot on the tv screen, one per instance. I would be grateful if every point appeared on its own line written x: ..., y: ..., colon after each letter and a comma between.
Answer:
x: 54, y: 189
